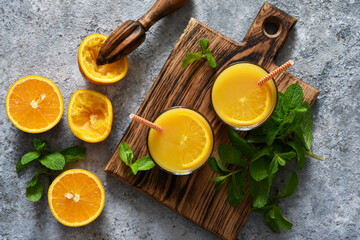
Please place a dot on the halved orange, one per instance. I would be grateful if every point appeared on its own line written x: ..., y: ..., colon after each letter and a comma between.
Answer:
x: 76, y: 197
x: 99, y: 74
x: 90, y: 115
x: 34, y: 104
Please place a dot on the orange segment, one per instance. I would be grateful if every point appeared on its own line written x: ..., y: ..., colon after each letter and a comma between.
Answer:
x: 99, y: 74
x: 90, y: 115
x: 34, y: 104
x: 76, y: 197
x: 195, y: 141
x: 250, y: 108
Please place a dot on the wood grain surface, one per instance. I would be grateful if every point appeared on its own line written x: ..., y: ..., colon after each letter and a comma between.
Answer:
x: 193, y: 196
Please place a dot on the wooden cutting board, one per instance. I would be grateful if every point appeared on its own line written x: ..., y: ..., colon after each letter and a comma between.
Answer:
x: 193, y: 196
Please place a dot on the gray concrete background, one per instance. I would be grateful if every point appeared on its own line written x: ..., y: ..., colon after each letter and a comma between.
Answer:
x: 42, y: 38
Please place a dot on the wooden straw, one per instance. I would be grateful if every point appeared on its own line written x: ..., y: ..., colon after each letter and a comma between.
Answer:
x: 146, y: 122
x: 275, y: 72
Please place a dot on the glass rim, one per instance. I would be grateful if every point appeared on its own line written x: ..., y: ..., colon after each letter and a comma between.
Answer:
x: 200, y: 166
x: 256, y: 125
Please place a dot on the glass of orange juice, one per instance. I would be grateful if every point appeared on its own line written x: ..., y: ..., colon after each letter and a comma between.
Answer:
x: 237, y: 99
x: 186, y: 142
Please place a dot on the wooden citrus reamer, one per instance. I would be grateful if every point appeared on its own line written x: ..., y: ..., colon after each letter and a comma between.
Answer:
x: 129, y: 35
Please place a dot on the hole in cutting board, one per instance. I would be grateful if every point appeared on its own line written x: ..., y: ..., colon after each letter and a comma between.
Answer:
x: 272, y: 27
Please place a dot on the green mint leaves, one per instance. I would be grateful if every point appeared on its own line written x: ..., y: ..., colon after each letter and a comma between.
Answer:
x: 285, y: 137
x: 142, y: 164
x: 204, y: 53
x: 50, y: 160
x: 35, y: 188
x: 73, y: 154
x: 53, y: 161
x: 29, y: 157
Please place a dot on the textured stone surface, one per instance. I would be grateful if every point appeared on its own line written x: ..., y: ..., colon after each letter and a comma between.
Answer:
x: 42, y: 37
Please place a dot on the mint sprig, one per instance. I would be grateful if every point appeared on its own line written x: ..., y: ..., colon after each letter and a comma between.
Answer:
x: 285, y: 137
x: 204, y: 53
x: 126, y: 155
x: 52, y: 161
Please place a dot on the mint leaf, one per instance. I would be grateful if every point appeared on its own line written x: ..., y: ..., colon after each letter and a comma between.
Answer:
x: 134, y: 168
x: 270, y: 136
x: 240, y: 180
x: 39, y: 145
x: 34, y: 189
x: 204, y: 53
x: 53, y: 161
x: 280, y: 220
x: 273, y: 167
x: 280, y: 160
x: 294, y: 96
x: 125, y: 153
x: 212, y: 163
x: 304, y: 132
x: 29, y: 157
x: 235, y: 189
x: 241, y: 144
x: 231, y: 155
x: 144, y: 163
x: 272, y: 214
x: 300, y: 109
x: 279, y: 112
x: 288, y: 155
x: 291, y: 186
x: 191, y: 57
x: 263, y: 152
x: 264, y: 209
x: 256, y: 139
x: 219, y: 181
x: 210, y: 59
x: 74, y: 153
x: 259, y: 192
x: 258, y: 170
x: 285, y: 127
x: 203, y: 44
x: 20, y: 166
x: 217, y: 166
x: 271, y: 223
x: 300, y: 152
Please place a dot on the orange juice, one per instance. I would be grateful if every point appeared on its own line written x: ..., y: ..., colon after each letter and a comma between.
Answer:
x: 239, y: 101
x: 186, y: 142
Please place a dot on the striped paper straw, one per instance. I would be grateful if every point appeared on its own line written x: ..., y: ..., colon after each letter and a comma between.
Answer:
x: 275, y: 72
x: 146, y: 122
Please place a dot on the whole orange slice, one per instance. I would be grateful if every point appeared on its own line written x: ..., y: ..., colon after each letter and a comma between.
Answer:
x: 76, y: 197
x: 34, y: 104
x: 90, y: 115
x: 99, y: 74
